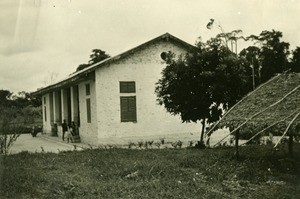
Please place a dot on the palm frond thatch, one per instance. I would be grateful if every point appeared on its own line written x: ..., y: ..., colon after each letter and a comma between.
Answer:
x: 264, y: 107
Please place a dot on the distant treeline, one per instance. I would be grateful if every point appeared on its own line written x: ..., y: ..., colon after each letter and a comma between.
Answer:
x: 19, y: 111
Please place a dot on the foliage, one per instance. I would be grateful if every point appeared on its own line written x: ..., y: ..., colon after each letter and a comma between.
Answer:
x: 273, y: 53
x: 295, y: 61
x: 8, y: 132
x: 82, y: 66
x: 18, y: 114
x: 19, y: 109
x: 6, y: 142
x: 200, y: 84
x: 21, y: 100
x: 177, y: 144
x: 251, y: 54
x: 96, y: 56
x: 5, y: 97
x: 167, y: 173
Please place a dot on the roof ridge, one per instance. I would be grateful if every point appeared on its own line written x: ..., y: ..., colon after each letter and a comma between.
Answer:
x: 114, y: 58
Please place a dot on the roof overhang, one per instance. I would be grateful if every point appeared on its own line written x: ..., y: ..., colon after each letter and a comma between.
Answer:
x: 89, y: 72
x: 88, y: 75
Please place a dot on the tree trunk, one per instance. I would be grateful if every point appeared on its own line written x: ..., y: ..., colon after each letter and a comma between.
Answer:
x: 237, y: 135
x: 291, y: 138
x: 202, y: 131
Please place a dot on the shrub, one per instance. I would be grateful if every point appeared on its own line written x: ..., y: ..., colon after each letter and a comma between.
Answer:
x: 130, y: 145
x: 177, y: 144
x: 162, y: 140
x: 157, y: 144
x: 140, y: 144
x: 6, y: 142
x: 200, y: 145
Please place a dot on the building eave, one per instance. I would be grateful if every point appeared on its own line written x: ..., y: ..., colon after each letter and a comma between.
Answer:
x: 82, y: 74
x: 65, y: 83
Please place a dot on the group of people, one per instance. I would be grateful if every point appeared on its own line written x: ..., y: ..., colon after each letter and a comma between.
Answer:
x: 68, y: 130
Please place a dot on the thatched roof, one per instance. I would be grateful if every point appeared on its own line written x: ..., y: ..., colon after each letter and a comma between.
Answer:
x: 275, y: 103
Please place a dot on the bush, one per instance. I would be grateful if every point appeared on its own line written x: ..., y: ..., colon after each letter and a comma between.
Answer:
x: 200, y: 145
x: 6, y: 142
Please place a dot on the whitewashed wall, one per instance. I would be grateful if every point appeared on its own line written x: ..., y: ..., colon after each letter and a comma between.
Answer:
x: 153, y: 122
x: 46, y: 124
x: 88, y: 131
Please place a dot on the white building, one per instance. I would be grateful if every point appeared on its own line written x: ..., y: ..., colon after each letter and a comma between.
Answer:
x: 113, y: 101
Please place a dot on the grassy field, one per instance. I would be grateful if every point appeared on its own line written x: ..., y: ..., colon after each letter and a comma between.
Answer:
x: 153, y: 173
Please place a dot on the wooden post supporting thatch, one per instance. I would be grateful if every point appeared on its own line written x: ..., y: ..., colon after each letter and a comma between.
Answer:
x: 291, y: 138
x: 237, y: 136
x: 202, y: 130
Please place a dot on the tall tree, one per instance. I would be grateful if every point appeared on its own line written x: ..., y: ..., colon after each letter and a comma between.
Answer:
x: 96, y: 56
x: 82, y: 66
x: 295, y: 61
x: 5, y: 97
x: 273, y: 53
x: 251, y: 54
x: 200, y: 84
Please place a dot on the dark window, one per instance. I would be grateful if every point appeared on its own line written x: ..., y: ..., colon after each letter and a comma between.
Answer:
x: 127, y: 87
x: 87, y: 89
x: 88, y: 110
x: 128, y: 109
x: 44, y: 100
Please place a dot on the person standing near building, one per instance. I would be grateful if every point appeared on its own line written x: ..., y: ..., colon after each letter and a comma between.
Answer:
x: 69, y: 134
x: 64, y: 129
x: 74, y: 129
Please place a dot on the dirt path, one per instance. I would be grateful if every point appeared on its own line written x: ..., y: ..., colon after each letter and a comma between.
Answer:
x: 38, y: 144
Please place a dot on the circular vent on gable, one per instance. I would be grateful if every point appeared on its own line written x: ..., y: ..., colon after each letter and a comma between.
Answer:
x: 163, y: 56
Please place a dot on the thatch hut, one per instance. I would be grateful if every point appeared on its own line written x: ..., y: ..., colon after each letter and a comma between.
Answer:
x: 273, y: 107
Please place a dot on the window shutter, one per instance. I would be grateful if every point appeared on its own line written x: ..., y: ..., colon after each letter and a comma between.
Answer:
x: 132, y: 108
x: 128, y: 109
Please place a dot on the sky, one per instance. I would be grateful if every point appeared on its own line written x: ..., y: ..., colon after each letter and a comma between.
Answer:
x: 43, y: 41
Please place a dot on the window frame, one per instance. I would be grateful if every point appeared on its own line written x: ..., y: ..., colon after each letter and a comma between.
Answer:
x: 127, y: 86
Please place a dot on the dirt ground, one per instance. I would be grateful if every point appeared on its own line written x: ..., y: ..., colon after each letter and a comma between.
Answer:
x: 41, y: 143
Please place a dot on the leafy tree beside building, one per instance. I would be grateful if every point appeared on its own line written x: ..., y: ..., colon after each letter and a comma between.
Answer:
x: 200, y: 85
